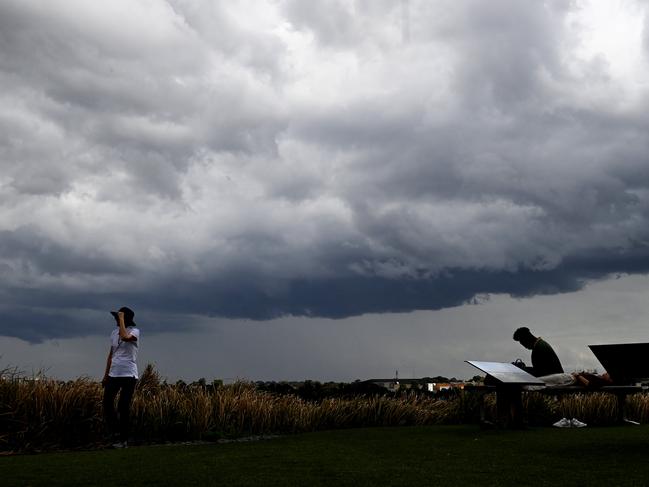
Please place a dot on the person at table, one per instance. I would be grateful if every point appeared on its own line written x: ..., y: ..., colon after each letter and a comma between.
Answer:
x: 544, y: 358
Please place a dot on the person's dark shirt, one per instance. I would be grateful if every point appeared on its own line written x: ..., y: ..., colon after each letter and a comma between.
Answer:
x: 544, y: 360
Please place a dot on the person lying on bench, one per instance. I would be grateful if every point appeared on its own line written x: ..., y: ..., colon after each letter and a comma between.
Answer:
x: 592, y: 381
x: 586, y: 380
x: 544, y: 359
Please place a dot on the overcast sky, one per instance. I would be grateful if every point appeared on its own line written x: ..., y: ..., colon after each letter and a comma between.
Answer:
x: 326, y: 189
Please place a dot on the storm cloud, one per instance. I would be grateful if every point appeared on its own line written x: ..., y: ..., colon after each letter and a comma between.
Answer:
x: 324, y: 159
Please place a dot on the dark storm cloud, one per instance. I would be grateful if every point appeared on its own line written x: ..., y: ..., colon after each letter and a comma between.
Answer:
x: 255, y: 160
x: 37, y: 325
x: 29, y: 247
x: 168, y: 306
x: 341, y: 297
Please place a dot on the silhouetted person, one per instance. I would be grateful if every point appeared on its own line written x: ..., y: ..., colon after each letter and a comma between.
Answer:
x: 121, y: 373
x: 544, y: 359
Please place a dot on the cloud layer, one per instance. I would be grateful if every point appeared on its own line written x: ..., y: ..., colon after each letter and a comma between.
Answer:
x: 261, y: 159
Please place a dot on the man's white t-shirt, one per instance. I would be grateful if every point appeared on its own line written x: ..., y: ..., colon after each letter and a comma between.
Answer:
x: 124, y: 361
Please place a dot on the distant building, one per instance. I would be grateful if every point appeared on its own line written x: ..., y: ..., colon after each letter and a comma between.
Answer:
x: 425, y: 384
x: 445, y: 386
x: 389, y: 384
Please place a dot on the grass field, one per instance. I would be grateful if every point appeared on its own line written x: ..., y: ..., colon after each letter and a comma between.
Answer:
x: 428, y: 455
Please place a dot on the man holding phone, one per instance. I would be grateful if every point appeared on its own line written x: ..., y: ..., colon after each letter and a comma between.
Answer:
x: 121, y: 373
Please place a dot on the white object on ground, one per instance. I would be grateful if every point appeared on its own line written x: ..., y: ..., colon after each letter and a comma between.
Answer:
x: 575, y: 423
x: 563, y: 423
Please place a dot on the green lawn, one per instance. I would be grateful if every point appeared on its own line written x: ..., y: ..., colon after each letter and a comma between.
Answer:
x: 443, y: 455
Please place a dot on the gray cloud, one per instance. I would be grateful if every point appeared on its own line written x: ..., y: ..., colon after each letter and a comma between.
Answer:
x: 423, y: 343
x: 226, y: 160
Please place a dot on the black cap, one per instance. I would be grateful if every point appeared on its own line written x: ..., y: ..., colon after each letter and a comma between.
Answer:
x: 129, y: 314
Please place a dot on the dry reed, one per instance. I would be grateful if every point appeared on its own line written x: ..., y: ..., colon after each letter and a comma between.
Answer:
x: 41, y: 413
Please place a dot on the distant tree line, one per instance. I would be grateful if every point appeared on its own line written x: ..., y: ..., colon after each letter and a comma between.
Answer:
x: 311, y: 390
x: 315, y: 391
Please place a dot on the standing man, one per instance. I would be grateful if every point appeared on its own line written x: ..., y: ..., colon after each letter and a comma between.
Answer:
x: 544, y: 359
x: 121, y: 373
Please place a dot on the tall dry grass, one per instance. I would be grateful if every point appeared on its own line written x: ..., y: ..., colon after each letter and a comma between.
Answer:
x: 37, y: 412
x: 185, y: 412
x: 41, y: 413
x: 594, y: 408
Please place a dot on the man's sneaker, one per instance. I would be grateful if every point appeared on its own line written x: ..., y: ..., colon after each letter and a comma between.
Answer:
x: 120, y: 444
x: 576, y: 423
x: 563, y: 423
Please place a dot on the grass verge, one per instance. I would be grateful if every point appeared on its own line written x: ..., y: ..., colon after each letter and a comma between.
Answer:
x: 409, y: 456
